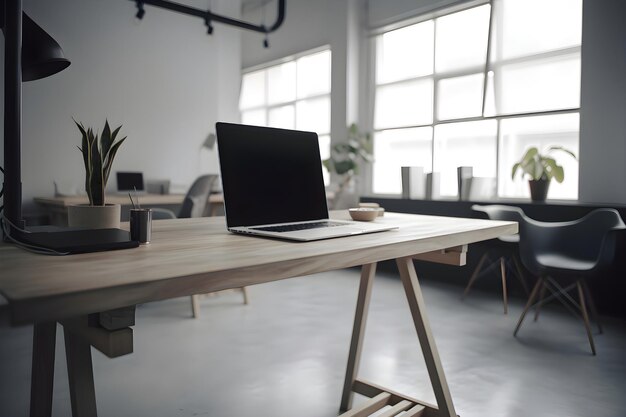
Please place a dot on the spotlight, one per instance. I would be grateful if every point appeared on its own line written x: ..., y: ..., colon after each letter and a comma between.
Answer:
x: 209, y: 27
x: 266, y: 43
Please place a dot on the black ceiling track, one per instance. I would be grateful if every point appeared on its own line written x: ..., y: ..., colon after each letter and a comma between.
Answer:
x: 210, y: 17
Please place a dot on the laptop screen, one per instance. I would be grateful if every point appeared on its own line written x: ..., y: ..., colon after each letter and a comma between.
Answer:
x: 270, y: 175
x: 128, y: 181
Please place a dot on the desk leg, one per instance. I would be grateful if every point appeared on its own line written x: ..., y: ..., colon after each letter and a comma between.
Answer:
x: 360, y: 318
x: 80, y: 375
x: 42, y: 373
x: 427, y: 342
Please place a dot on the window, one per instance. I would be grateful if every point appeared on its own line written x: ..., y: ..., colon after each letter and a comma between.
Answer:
x: 477, y: 88
x: 294, y: 94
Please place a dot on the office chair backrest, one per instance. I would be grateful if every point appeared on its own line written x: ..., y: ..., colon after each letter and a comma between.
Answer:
x: 500, y: 212
x: 197, y: 197
x: 589, y: 239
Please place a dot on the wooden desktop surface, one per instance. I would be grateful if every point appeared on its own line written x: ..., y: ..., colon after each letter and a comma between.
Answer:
x: 192, y: 256
x: 122, y: 199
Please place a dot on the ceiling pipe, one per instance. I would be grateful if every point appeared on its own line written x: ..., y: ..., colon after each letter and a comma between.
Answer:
x: 208, y: 16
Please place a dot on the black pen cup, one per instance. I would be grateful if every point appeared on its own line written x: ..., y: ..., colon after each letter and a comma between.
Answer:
x: 141, y: 225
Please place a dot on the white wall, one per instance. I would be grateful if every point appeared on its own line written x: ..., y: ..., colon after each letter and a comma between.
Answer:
x: 163, y: 78
x: 308, y: 25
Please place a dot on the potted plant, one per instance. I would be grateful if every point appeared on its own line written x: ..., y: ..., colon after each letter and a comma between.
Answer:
x: 98, y: 155
x: 540, y: 169
x: 346, y: 158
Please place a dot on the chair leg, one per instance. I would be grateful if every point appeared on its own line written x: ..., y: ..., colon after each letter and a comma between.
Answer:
x: 540, y: 303
x: 529, y: 304
x: 583, y: 308
x: 474, y: 275
x: 195, y: 305
x: 520, y: 273
x: 592, y: 306
x: 244, y: 291
x: 504, y: 293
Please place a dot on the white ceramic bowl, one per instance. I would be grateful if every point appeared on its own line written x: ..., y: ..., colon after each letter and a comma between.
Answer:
x: 364, y: 214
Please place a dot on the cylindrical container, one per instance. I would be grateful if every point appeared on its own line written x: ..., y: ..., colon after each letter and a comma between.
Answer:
x: 141, y: 225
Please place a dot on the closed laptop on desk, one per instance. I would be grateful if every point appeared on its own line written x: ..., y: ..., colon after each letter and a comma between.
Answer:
x: 273, y: 185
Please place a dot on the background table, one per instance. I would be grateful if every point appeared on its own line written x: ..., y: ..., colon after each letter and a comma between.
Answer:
x: 56, y: 207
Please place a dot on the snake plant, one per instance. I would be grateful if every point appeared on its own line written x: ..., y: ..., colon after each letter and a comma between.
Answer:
x: 98, y: 155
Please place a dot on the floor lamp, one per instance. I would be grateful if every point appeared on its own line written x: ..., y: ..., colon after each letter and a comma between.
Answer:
x: 29, y: 54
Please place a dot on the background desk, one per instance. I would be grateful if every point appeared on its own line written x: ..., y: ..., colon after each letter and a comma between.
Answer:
x: 191, y: 256
x: 56, y: 207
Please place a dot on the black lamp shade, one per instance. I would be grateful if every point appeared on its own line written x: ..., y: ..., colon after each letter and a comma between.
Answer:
x: 42, y: 56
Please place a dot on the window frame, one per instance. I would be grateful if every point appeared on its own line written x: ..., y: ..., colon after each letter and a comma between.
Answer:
x: 291, y: 58
x: 492, y: 64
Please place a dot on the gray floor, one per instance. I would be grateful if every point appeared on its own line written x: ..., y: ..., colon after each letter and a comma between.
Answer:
x: 284, y: 355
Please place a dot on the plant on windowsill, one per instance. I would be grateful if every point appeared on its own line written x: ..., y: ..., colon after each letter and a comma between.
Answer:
x: 346, y: 159
x: 540, y: 169
x: 98, y: 155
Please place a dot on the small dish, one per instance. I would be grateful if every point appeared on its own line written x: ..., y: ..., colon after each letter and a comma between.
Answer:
x: 364, y: 214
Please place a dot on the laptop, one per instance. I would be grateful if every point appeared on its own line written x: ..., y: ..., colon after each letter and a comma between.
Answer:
x: 273, y: 185
x: 129, y: 181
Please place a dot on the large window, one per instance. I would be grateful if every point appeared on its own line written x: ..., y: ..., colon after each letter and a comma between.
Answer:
x: 476, y: 88
x: 293, y: 94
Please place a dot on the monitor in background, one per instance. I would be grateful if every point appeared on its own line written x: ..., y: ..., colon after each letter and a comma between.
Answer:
x: 129, y: 181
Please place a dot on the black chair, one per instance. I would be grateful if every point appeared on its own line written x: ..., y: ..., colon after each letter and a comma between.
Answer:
x: 507, y: 255
x: 195, y: 202
x: 571, y: 252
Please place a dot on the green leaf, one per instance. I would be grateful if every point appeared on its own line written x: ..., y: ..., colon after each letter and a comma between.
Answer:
x: 516, y: 166
x: 345, y: 166
x: 111, y: 157
x: 96, y: 180
x: 559, y: 174
x: 106, y: 140
x: 561, y: 148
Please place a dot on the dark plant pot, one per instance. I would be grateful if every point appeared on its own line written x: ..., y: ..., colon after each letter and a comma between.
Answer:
x: 539, y: 189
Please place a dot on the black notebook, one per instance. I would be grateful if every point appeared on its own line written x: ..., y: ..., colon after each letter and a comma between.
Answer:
x: 79, y: 241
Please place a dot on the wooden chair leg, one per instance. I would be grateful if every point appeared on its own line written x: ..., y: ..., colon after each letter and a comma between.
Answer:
x: 592, y: 306
x: 542, y: 293
x: 520, y: 273
x: 529, y: 304
x: 244, y: 291
x: 195, y: 305
x: 583, y: 308
x: 474, y: 275
x: 504, y: 293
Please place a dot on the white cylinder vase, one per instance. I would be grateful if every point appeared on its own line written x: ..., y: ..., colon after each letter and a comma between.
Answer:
x: 85, y: 216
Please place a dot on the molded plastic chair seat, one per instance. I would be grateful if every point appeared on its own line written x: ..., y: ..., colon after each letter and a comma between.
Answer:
x: 562, y: 264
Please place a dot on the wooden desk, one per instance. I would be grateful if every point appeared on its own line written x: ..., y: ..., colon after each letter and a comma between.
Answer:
x: 191, y: 256
x: 56, y: 207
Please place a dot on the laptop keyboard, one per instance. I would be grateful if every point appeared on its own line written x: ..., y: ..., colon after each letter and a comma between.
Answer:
x: 300, y: 226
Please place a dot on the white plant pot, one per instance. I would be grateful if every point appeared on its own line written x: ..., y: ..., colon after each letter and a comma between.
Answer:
x: 85, y: 216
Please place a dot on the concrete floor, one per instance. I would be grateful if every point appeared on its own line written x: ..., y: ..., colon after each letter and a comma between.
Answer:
x: 285, y: 353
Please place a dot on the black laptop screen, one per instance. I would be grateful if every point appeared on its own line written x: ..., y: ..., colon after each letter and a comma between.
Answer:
x: 270, y: 175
